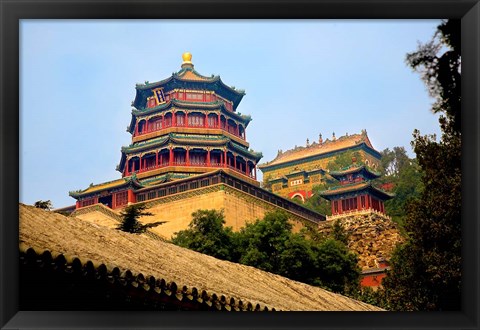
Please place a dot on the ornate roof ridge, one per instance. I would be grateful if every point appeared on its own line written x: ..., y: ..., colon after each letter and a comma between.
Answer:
x: 182, y: 72
x: 174, y: 102
x: 355, y: 168
x: 106, y: 185
x: 145, y: 143
x: 355, y: 186
x: 180, y: 76
x: 299, y: 152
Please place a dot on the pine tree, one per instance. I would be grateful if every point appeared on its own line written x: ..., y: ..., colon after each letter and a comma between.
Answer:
x: 130, y: 216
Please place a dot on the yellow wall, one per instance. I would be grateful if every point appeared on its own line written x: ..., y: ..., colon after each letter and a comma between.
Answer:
x: 239, y: 208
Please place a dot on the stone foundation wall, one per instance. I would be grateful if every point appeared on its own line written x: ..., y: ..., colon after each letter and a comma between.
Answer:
x: 239, y: 208
x: 372, y: 236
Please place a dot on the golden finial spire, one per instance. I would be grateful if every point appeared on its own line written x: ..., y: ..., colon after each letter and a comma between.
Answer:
x: 187, y: 60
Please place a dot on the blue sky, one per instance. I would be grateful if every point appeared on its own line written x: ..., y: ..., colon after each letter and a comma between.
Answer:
x: 301, y: 77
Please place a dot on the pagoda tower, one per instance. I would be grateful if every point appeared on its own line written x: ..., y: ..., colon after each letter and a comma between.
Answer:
x: 186, y: 125
x: 182, y: 126
x: 356, y: 193
x: 188, y: 151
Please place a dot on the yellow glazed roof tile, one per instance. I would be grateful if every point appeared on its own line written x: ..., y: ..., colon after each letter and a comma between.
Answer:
x: 189, y: 75
x: 319, y: 149
x: 105, y: 185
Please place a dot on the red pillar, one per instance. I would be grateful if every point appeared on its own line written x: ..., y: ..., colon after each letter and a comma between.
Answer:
x: 238, y: 130
x: 161, y: 160
x: 114, y: 204
x: 234, y: 161
x: 245, y: 134
x: 255, y: 171
x: 359, y: 203
x: 77, y: 205
x: 171, y: 157
x: 136, y: 128
x: 140, y: 164
x: 205, y: 123
x: 156, y: 159
x: 188, y: 157
x: 130, y: 196
x: 208, y: 158
x: 219, y: 121
x: 340, y: 208
x: 163, y: 121
x: 225, y: 158
x: 174, y: 119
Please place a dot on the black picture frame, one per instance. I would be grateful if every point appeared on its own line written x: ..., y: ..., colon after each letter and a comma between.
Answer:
x: 13, y: 11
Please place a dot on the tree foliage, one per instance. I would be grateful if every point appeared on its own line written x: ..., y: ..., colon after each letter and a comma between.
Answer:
x: 337, y: 267
x: 269, y: 244
x: 405, y: 176
x: 44, y: 205
x: 426, y: 270
x: 343, y: 160
x: 130, y: 216
x: 207, y: 234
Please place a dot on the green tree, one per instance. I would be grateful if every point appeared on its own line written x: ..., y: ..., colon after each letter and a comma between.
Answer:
x: 339, y: 233
x: 207, y: 234
x: 343, y: 160
x: 269, y: 244
x: 130, y: 216
x: 44, y: 205
x: 263, y: 241
x: 426, y: 270
x: 316, y: 202
x: 405, y: 175
x: 337, y: 267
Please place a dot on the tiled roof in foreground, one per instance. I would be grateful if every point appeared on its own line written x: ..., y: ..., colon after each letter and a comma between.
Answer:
x: 174, y: 268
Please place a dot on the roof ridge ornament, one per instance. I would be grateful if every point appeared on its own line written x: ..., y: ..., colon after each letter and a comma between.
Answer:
x: 187, y: 60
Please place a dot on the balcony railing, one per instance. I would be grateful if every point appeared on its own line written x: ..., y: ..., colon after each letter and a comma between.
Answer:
x: 193, y: 164
x: 233, y: 132
x: 357, y: 212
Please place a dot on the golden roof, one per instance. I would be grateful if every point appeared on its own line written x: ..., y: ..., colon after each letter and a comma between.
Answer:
x: 316, y: 149
x: 190, y: 75
x: 70, y: 236
x: 103, y: 186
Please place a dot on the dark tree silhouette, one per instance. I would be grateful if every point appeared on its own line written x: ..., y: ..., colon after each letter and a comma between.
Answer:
x: 130, y: 216
x: 44, y: 205
x: 426, y: 270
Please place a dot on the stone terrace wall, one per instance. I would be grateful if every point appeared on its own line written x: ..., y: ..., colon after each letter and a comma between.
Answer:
x: 372, y: 236
x: 239, y: 208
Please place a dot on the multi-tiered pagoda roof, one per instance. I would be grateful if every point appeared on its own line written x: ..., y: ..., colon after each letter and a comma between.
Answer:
x: 182, y: 126
x: 356, y: 191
